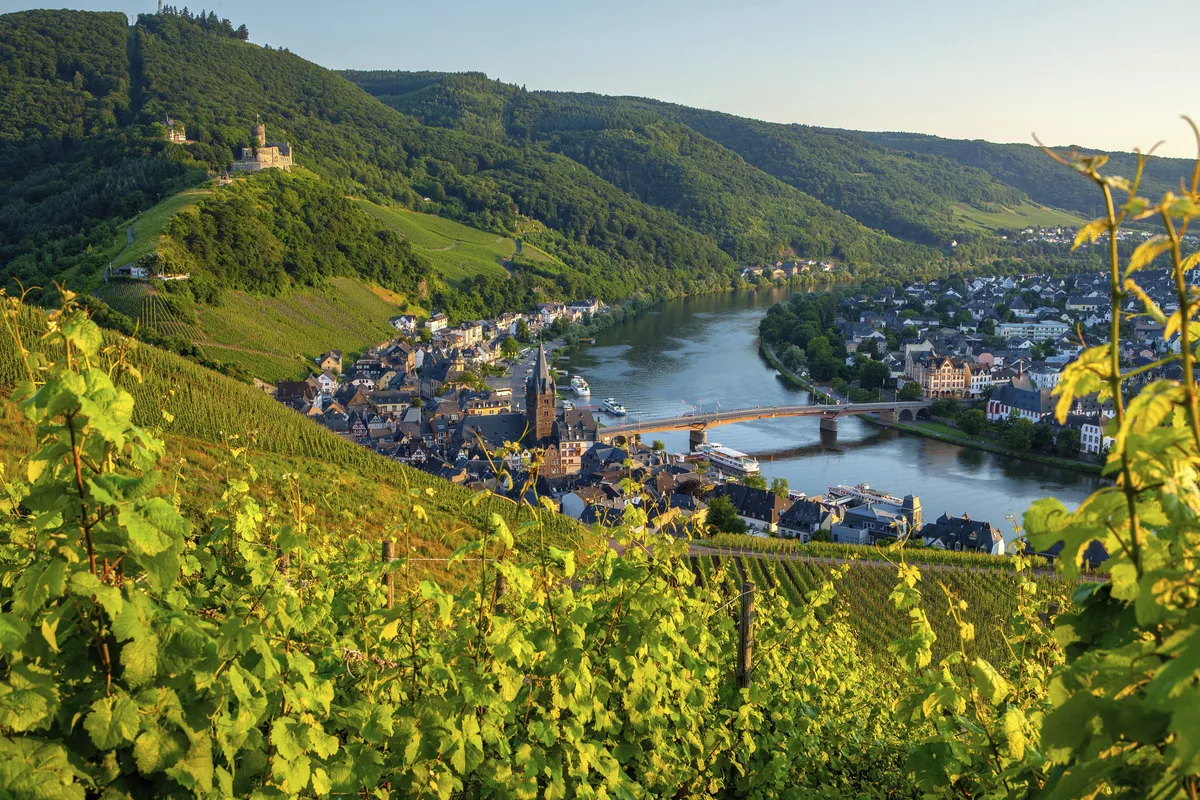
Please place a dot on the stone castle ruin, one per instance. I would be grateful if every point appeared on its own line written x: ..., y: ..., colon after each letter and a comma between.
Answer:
x: 263, y: 154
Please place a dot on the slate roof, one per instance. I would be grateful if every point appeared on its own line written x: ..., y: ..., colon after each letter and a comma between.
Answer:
x: 758, y: 504
x: 963, y: 533
x: 495, y: 429
x: 1022, y: 395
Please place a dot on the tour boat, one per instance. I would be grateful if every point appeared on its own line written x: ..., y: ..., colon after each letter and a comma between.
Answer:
x: 613, y: 407
x: 864, y: 492
x: 580, y: 387
x: 727, y: 458
x: 568, y: 405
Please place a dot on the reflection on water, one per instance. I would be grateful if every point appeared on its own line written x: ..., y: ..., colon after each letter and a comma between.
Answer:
x: 702, y: 353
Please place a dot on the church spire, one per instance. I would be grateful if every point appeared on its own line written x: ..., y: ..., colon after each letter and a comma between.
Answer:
x: 541, y: 400
x: 540, y: 381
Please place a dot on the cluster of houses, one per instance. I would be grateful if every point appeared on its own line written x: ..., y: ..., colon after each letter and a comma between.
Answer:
x: 857, y: 517
x: 482, y: 440
x: 782, y: 270
x: 967, y: 344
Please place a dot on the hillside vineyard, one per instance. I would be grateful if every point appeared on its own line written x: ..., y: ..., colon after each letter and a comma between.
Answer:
x: 300, y: 498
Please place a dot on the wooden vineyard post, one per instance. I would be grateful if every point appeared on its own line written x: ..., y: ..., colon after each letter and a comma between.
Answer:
x: 745, y: 635
x: 498, y: 598
x: 389, y: 577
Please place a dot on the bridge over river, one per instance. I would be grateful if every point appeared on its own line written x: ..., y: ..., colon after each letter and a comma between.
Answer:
x: 699, y: 423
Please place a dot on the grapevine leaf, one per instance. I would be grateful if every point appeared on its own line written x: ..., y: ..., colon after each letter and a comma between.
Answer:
x: 195, y: 770
x: 13, y: 631
x: 113, y: 721
x: 566, y: 558
x: 50, y: 631
x: 147, y: 750
x: 291, y: 773
x: 990, y: 683
x: 1014, y: 732
x: 445, y: 603
x: 27, y: 700
x: 152, y: 526
x: 285, y: 737
x: 1088, y: 233
x: 42, y: 581
x: 501, y: 531
x: 1146, y: 252
x: 85, y: 584
x: 1065, y: 727
x: 320, y: 782
x: 33, y: 768
x: 140, y: 660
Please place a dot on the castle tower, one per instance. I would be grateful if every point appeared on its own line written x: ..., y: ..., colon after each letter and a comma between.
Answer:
x: 540, y: 400
x: 911, y: 510
x: 260, y: 133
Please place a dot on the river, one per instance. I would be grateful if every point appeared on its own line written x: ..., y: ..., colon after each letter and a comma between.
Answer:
x: 703, y: 352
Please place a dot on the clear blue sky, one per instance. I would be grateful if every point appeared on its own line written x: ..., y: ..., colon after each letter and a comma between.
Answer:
x: 955, y: 68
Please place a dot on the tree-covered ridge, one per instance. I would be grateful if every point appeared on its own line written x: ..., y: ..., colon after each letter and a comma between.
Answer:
x: 274, y: 230
x: 64, y: 75
x: 1026, y: 167
x: 217, y: 86
x: 468, y: 101
x: 753, y: 216
x: 906, y: 196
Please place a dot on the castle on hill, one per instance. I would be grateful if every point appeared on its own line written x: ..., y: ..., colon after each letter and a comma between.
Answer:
x: 264, y: 154
x: 176, y: 132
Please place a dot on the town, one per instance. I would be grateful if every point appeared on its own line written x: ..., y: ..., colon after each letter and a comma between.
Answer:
x: 478, y: 403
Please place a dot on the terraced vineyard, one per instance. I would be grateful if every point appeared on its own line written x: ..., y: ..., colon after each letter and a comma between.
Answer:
x: 863, y: 594
x: 272, y: 338
x: 141, y: 302
x: 455, y: 250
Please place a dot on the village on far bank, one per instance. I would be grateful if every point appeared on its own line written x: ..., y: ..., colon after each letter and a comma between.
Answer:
x: 478, y: 403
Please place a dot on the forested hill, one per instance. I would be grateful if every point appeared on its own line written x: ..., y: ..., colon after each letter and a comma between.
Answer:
x: 83, y: 150
x: 919, y: 197
x: 1026, y: 167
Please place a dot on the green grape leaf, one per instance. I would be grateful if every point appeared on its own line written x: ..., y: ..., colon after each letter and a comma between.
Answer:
x: 37, y: 769
x: 988, y: 682
x: 1089, y: 232
x: 13, y: 631
x: 112, y: 721
x: 292, y: 774
x: 140, y: 660
x: 195, y: 770
x: 1146, y: 252
x: 43, y: 580
x: 320, y: 782
x: 27, y: 700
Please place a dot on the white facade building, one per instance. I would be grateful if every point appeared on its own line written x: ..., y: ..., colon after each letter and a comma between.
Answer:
x: 1037, y: 331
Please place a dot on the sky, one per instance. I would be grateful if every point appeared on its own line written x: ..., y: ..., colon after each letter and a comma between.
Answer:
x: 1104, y: 74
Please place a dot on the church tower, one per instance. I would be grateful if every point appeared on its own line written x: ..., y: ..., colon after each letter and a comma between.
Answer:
x: 540, y: 401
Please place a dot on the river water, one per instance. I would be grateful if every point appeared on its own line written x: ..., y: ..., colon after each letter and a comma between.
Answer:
x: 703, y: 352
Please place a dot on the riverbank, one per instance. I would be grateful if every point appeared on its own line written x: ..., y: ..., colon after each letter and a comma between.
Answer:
x: 792, y: 379
x: 944, y: 433
x: 931, y: 430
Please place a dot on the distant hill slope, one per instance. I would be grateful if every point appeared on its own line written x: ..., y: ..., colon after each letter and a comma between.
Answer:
x: 621, y: 195
x: 653, y: 157
x: 1026, y: 167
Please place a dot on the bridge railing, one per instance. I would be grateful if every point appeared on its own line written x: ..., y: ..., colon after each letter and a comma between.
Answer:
x: 741, y: 414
